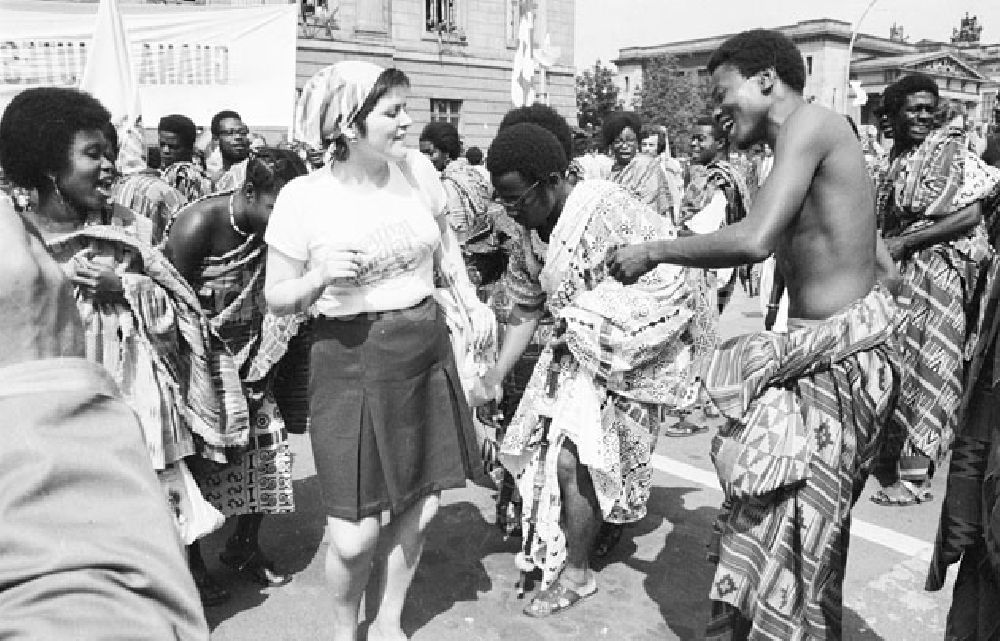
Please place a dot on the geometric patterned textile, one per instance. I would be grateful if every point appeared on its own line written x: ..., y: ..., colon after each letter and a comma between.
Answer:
x: 621, y: 354
x: 260, y: 479
x: 644, y: 179
x: 230, y: 288
x: 949, y: 291
x: 156, y: 345
x: 805, y: 412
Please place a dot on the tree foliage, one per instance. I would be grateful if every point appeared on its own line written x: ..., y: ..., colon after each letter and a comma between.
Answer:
x: 671, y: 98
x: 596, y: 95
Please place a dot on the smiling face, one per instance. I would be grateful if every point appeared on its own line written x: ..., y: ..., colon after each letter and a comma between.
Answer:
x: 85, y: 182
x: 625, y: 146
x: 529, y: 204
x: 915, y: 119
x: 741, y: 105
x: 703, y: 145
x: 386, y: 126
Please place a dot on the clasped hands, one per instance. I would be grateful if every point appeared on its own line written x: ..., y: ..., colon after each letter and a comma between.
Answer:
x: 93, y: 278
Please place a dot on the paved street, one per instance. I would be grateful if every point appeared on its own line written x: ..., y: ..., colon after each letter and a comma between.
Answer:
x: 653, y: 587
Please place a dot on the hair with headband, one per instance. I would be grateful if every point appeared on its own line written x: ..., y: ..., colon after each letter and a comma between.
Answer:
x: 339, y: 96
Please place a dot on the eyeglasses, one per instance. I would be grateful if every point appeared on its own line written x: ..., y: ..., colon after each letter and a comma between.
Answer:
x: 515, y: 205
x: 235, y: 132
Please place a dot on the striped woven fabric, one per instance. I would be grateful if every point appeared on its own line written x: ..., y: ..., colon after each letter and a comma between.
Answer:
x: 195, y: 387
x: 949, y: 294
x: 148, y: 195
x: 805, y: 411
x: 230, y: 288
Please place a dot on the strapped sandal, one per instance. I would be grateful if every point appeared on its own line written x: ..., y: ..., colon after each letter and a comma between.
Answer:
x: 683, y: 428
x: 917, y: 495
x: 255, y: 566
x: 557, y: 597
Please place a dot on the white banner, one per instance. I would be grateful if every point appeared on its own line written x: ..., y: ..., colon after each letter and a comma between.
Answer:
x: 194, y: 61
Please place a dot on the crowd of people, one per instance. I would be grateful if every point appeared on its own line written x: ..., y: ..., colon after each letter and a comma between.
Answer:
x: 531, y: 322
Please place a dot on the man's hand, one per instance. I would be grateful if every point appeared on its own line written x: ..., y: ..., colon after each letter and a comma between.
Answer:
x: 38, y: 316
x: 627, y: 264
x: 897, y: 249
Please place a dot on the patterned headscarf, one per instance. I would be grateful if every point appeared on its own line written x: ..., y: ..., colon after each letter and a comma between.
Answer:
x: 333, y: 94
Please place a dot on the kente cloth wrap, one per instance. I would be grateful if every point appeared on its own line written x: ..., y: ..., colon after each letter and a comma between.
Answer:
x: 155, y: 344
x: 232, y: 179
x: 969, y: 530
x: 731, y: 180
x: 474, y: 218
x: 332, y: 99
x: 230, y: 287
x: 624, y: 354
x: 149, y: 196
x: 949, y: 291
x: 189, y: 180
x: 804, y: 412
x: 644, y: 178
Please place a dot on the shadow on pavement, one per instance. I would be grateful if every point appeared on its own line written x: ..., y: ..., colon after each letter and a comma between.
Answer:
x: 451, y: 569
x: 292, y: 547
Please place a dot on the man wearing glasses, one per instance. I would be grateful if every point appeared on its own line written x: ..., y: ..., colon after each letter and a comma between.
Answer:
x: 580, y: 442
x: 233, y: 138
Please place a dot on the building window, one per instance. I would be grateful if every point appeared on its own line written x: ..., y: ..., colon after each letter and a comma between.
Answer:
x: 809, y: 65
x: 443, y: 110
x: 442, y: 16
x: 626, y: 84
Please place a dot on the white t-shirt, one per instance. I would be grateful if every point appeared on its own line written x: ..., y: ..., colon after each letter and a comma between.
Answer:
x: 395, y: 226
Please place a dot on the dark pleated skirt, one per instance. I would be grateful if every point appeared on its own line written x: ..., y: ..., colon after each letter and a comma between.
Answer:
x: 389, y: 422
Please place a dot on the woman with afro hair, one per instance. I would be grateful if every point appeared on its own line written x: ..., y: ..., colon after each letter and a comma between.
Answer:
x: 141, y: 320
x: 639, y: 174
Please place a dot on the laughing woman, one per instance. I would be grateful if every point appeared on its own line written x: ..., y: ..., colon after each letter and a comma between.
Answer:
x: 142, y: 322
x: 357, y: 243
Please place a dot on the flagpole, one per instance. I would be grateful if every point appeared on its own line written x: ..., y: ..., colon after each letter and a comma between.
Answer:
x: 850, y: 50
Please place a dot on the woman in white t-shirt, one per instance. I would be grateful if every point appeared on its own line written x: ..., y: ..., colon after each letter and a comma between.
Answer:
x: 357, y: 243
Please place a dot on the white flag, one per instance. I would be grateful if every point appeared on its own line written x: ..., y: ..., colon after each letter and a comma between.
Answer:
x: 108, y: 77
x: 522, y: 85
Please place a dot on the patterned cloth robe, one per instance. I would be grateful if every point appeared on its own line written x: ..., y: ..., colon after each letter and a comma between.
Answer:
x: 148, y: 195
x: 154, y: 343
x: 804, y: 413
x: 231, y: 179
x: 258, y: 478
x: 645, y: 179
x: 625, y: 353
x: 946, y: 293
x: 731, y: 180
x: 189, y: 179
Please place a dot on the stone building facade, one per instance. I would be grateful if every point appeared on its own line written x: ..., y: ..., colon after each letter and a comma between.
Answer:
x: 966, y: 72
x: 457, y: 53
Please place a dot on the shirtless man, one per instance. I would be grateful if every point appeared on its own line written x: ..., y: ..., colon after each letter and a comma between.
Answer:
x: 820, y: 393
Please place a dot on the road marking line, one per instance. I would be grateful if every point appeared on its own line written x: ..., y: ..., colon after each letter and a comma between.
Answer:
x: 897, y: 541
